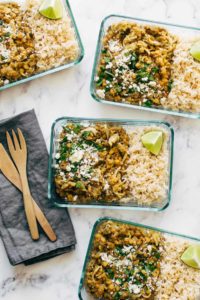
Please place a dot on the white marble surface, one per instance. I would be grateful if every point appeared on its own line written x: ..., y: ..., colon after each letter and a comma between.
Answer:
x: 67, y: 93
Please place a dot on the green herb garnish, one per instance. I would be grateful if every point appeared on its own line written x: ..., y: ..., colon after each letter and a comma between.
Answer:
x: 118, y: 249
x: 63, y: 157
x: 150, y: 267
x: 80, y: 185
x: 104, y: 51
x: 110, y: 273
x: 107, y: 59
x: 170, y: 85
x: 117, y: 296
x: 77, y: 128
x: 148, y: 103
x: 7, y: 34
x: 85, y: 134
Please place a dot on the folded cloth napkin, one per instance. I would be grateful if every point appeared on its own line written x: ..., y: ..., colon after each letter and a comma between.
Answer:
x: 14, y: 229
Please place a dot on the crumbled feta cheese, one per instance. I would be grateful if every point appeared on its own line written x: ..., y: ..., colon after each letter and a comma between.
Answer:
x: 106, y: 186
x: 133, y: 288
x: 57, y: 156
x: 68, y: 168
x: 127, y: 249
x: 107, y: 258
x: 101, y: 93
x: 114, y: 46
x: 76, y: 156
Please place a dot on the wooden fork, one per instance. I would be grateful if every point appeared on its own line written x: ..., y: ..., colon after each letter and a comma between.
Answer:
x: 9, y: 170
x: 18, y: 151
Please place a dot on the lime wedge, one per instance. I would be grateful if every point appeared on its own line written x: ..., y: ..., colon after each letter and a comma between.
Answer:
x: 153, y: 141
x: 51, y: 9
x: 191, y: 256
x: 195, y: 51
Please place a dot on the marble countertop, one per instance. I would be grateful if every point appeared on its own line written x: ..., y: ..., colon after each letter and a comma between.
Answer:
x: 67, y: 93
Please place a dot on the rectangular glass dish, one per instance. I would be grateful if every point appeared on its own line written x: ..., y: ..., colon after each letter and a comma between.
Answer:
x: 69, y: 39
x: 171, y: 237
x: 166, y: 160
x: 175, y: 109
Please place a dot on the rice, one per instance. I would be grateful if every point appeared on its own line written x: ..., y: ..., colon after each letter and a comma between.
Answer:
x: 185, y: 93
x: 148, y: 173
x: 55, y: 40
x: 176, y: 281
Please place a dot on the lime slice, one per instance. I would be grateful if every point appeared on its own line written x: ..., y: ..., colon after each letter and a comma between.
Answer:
x: 153, y: 141
x: 191, y: 256
x: 51, y: 9
x: 195, y: 51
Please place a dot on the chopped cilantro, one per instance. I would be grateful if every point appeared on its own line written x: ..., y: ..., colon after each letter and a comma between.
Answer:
x: 66, y: 129
x: 104, y: 51
x: 99, y: 82
x: 117, y: 296
x: 107, y: 88
x: 108, y: 75
x: 118, y: 249
x: 118, y: 89
x: 107, y: 59
x: 77, y: 128
x: 170, y: 85
x: 156, y: 254
x: 143, y: 276
x: 150, y: 267
x: 85, y: 134
x: 63, y: 157
x: 133, y: 61
x: 154, y: 70
x: 110, y: 273
x: 7, y: 34
x: 148, y: 103
x: 64, y: 140
x: 80, y: 185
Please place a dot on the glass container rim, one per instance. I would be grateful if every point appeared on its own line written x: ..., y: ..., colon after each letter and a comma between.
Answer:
x: 120, y: 121
x: 103, y: 219
x: 192, y: 115
x: 59, y: 68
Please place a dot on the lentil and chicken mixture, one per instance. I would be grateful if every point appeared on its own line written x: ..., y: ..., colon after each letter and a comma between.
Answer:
x: 31, y: 43
x: 129, y: 262
x: 147, y: 65
x: 104, y: 163
x: 135, y: 64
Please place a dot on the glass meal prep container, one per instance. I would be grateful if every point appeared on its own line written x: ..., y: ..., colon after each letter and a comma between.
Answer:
x: 60, y: 64
x: 179, y: 30
x: 128, y: 125
x: 176, y: 239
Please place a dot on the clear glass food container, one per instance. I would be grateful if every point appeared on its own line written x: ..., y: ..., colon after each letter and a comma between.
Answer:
x: 62, y: 67
x: 184, y: 31
x: 157, y: 206
x: 83, y: 294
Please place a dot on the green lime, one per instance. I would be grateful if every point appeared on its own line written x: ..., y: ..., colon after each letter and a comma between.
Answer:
x: 153, y: 141
x: 195, y: 50
x: 191, y: 256
x: 51, y: 9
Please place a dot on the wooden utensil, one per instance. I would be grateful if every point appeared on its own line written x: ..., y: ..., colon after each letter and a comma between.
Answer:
x: 18, y: 151
x: 9, y: 170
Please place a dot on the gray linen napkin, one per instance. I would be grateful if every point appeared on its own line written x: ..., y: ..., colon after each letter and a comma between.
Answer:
x: 14, y: 230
